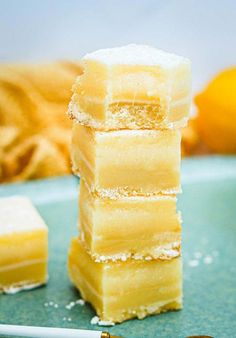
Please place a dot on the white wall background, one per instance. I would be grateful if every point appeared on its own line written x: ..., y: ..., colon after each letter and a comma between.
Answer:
x: 41, y: 30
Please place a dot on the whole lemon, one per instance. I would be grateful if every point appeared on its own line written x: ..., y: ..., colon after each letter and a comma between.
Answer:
x: 216, y: 118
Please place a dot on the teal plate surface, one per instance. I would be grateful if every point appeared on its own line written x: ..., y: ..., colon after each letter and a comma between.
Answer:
x: 208, y: 205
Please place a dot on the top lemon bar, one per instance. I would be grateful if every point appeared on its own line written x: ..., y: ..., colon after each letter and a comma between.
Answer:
x: 132, y: 87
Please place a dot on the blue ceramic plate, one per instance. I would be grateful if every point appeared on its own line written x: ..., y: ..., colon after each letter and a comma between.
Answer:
x: 208, y: 204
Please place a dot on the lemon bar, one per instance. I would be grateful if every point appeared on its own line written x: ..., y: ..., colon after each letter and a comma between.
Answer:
x: 23, y: 245
x: 135, y: 226
x: 132, y: 87
x: 127, y: 162
x: 123, y: 290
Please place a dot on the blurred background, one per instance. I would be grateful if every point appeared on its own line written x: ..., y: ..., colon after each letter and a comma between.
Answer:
x: 42, y: 42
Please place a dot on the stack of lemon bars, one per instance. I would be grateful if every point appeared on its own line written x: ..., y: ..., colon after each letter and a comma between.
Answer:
x: 128, y: 107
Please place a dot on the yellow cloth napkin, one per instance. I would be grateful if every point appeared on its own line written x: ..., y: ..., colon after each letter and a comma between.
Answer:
x: 34, y: 128
x: 35, y: 131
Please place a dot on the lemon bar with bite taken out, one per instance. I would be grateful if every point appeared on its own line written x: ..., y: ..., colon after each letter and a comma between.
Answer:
x: 132, y: 87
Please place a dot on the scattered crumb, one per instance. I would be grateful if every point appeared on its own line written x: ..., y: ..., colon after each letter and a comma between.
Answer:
x: 148, y: 258
x: 51, y: 304
x: 70, y: 305
x: 198, y: 255
x: 137, y: 256
x: 105, y: 323
x: 94, y: 320
x: 208, y: 259
x: 73, y: 304
x: 67, y: 319
x: 193, y: 263
x: 80, y: 302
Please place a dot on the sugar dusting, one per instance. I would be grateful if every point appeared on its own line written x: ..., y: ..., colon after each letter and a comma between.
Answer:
x: 51, y: 304
x: 72, y: 304
x: 94, y: 320
x: 17, y: 214
x: 136, y: 55
x: 68, y: 307
x: 97, y: 321
x: 23, y: 286
x: 67, y: 319
x: 199, y: 257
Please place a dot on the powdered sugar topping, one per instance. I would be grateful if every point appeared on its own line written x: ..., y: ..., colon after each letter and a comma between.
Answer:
x: 136, y: 55
x: 17, y: 214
